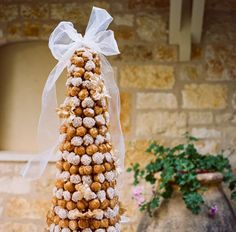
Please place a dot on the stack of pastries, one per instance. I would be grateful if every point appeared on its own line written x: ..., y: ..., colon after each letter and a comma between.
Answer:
x: 85, y: 197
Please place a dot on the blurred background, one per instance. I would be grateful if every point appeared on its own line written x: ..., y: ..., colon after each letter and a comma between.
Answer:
x: 162, y: 95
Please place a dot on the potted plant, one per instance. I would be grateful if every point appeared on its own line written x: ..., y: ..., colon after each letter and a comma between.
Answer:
x: 184, y: 170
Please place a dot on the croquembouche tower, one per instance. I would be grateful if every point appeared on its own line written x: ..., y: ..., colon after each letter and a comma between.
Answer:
x: 85, y: 197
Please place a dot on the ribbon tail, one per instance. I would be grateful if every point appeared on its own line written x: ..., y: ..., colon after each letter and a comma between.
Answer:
x: 99, y: 20
x: 114, y: 110
x: 35, y: 167
x: 48, y: 132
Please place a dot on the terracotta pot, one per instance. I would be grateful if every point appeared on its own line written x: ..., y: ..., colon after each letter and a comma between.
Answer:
x: 173, y: 216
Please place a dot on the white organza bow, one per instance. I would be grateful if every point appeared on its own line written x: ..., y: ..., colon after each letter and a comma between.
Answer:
x: 63, y: 41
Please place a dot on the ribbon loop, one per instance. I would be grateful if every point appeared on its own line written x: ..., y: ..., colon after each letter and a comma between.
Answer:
x: 62, y: 39
x: 63, y: 42
x: 98, y: 22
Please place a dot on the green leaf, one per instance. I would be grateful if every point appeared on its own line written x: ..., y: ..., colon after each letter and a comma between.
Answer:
x: 129, y: 169
x: 150, y: 178
x: 184, y: 165
x: 158, y: 150
x: 228, y: 175
x: 190, y: 138
x: 179, y: 147
x: 193, y: 201
x: 154, y: 166
x: 143, y: 207
x: 191, y: 151
x: 151, y: 206
x: 233, y: 195
x: 137, y: 173
x: 232, y: 185
x: 167, y: 175
x: 136, y: 166
x: 168, y: 192
x: 151, y: 147
x: 186, y: 178
x: 154, y: 202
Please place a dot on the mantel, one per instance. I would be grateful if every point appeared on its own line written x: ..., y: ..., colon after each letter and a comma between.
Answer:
x: 13, y: 156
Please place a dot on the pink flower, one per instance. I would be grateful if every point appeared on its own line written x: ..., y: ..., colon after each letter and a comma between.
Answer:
x: 138, y: 195
x: 213, y: 210
x: 138, y: 190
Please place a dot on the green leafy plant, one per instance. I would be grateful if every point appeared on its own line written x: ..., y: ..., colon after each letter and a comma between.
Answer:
x: 179, y: 166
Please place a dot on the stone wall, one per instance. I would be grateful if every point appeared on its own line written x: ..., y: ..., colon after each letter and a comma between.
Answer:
x: 161, y: 97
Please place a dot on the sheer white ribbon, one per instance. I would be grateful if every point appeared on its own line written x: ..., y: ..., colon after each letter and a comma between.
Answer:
x: 63, y: 41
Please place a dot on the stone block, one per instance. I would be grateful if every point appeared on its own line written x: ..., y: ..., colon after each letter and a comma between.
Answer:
x: 165, y: 53
x: 155, y: 123
x: 206, y: 146
x: 223, y: 118
x: 152, y: 27
x: 8, y: 12
x: 190, y: 72
x: 197, y: 51
x: 19, y: 227
x: 220, y: 62
x: 10, y: 168
x: 221, y: 6
x: 148, y: 4
x: 31, y: 29
x: 229, y: 140
x: 128, y: 53
x: 34, y: 11
x: 124, y: 19
x: 203, y: 133
x: 200, y: 118
x: 72, y: 11
x: 123, y: 33
x: 14, y: 185
x: 205, y: 96
x: 156, y: 101
x: 136, y: 152
x: 14, y: 31
x: 213, y: 25
x: 147, y: 77
x: 126, y: 111
x: 20, y: 207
